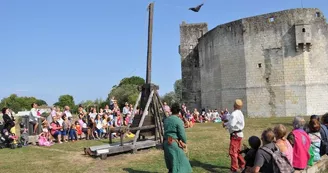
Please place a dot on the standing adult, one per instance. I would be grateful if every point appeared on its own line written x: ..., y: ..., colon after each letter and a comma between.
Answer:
x: 235, y: 125
x: 51, y: 115
x: 34, y: 116
x: 167, y: 109
x: 68, y: 112
x: 301, y: 143
x: 174, y: 133
x: 9, y: 121
x: 126, y: 109
x: 111, y: 103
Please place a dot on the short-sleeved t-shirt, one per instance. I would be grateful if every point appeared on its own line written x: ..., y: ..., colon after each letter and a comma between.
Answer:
x: 264, y: 159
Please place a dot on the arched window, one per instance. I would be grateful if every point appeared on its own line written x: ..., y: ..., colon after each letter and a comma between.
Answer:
x: 303, y: 30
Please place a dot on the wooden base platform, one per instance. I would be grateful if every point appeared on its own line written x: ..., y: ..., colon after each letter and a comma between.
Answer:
x: 104, y: 150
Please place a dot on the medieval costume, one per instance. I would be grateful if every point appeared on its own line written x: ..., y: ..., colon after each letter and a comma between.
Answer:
x: 174, y: 135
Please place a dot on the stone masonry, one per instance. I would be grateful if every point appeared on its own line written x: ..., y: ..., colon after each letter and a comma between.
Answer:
x: 277, y: 63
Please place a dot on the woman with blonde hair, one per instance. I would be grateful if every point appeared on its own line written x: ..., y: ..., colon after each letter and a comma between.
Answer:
x: 282, y: 143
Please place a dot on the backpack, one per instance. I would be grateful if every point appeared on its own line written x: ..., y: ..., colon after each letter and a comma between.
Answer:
x: 324, y: 140
x: 280, y: 162
x: 311, y: 152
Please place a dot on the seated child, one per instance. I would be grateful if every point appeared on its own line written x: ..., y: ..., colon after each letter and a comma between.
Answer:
x: 65, y: 128
x: 85, y: 129
x: 73, y: 132
x: 78, y: 129
x: 127, y: 119
x: 250, y: 153
x: 186, y: 123
x: 105, y: 125
x: 111, y: 123
x: 45, y: 127
x: 43, y: 141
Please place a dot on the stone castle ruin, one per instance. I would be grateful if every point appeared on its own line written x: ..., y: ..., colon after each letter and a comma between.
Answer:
x: 277, y: 63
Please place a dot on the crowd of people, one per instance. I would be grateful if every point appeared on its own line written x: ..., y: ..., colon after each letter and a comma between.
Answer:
x: 94, y: 124
x: 190, y: 118
x: 275, y: 150
x: 297, y: 150
x: 61, y: 126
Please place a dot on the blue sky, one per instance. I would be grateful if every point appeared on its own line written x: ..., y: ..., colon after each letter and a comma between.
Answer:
x: 83, y: 47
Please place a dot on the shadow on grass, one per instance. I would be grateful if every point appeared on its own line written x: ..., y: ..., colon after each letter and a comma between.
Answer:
x: 208, y: 167
x: 130, y: 170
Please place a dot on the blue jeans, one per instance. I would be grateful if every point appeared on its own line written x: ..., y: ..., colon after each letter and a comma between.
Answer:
x: 72, y: 135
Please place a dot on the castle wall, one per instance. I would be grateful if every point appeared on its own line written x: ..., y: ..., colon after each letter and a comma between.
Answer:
x: 316, y: 68
x: 275, y: 73
x: 189, y: 35
x: 222, y: 67
x: 286, y: 84
x: 191, y: 81
x: 276, y: 63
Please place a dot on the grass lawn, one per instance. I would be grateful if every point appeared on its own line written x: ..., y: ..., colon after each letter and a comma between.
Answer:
x: 207, y: 143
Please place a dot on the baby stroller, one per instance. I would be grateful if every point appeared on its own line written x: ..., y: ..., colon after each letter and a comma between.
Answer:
x: 23, y: 134
x: 7, y: 139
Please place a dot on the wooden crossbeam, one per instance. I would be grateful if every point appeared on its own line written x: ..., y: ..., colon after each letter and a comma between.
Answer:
x: 135, y: 107
x: 143, y: 116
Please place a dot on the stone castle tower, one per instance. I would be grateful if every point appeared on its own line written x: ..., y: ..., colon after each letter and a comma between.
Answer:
x: 277, y: 63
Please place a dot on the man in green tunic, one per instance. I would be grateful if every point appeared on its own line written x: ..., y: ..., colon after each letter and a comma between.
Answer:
x: 175, y: 158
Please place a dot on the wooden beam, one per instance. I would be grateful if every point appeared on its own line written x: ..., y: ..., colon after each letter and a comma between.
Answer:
x: 117, y: 129
x: 143, y: 116
x: 150, y: 39
x: 161, y: 104
x: 135, y: 107
x: 158, y: 119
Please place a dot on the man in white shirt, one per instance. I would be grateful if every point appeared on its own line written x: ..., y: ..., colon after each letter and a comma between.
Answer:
x: 235, y: 126
x: 34, y: 117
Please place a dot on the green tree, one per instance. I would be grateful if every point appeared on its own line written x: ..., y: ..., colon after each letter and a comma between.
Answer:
x: 87, y: 103
x: 20, y: 103
x: 170, y: 98
x: 126, y: 90
x: 41, y: 102
x: 65, y: 100
x: 178, y: 90
x: 134, y: 80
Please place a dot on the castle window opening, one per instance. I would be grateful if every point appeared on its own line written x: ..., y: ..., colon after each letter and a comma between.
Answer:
x: 190, y: 47
x: 201, y: 33
x: 259, y: 65
x: 317, y: 14
x: 271, y: 19
x: 303, y: 30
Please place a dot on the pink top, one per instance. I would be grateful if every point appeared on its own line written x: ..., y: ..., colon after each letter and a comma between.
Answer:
x: 54, y: 128
x: 302, y: 144
x: 167, y: 108
x: 289, y: 151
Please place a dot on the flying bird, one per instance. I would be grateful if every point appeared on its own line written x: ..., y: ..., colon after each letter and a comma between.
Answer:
x: 196, y: 9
